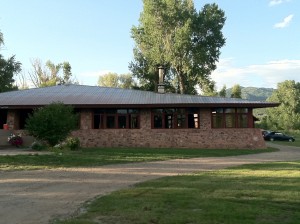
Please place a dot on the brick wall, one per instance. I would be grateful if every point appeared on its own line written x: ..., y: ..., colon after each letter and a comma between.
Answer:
x: 205, y: 137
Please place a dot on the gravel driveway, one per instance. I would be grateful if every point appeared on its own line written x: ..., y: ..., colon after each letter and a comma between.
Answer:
x: 38, y: 196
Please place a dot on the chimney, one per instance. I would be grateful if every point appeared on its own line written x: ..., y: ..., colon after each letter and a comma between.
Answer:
x: 161, y: 84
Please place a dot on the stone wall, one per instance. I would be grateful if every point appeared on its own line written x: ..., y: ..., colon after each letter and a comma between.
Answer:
x: 204, y: 137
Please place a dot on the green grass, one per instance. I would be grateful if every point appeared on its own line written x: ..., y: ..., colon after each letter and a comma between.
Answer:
x: 103, y: 156
x: 249, y: 194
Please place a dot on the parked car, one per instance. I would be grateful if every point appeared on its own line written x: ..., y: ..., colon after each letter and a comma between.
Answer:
x: 265, y: 132
x: 278, y: 136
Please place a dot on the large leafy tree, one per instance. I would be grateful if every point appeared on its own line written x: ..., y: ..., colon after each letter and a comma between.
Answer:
x: 173, y: 34
x: 287, y: 115
x: 50, y: 73
x: 236, y: 91
x: 8, y: 69
x: 115, y: 80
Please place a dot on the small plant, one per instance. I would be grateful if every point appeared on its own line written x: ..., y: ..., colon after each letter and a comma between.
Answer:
x: 72, y: 143
x: 15, y: 140
x: 38, y: 146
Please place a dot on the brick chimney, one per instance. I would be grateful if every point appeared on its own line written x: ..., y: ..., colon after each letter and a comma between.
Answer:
x: 161, y: 77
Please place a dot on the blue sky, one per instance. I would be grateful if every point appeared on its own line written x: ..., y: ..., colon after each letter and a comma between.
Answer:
x: 262, y: 37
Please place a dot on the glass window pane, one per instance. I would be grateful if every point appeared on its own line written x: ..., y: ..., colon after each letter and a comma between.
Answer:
x: 230, y: 121
x: 218, y: 121
x: 243, y: 121
x: 121, y: 121
x: 193, y: 121
x: 110, y: 122
x: 242, y: 110
x: 169, y: 121
x: 133, y: 121
x: 181, y: 121
x: 230, y: 110
x: 122, y: 111
x: 158, y: 121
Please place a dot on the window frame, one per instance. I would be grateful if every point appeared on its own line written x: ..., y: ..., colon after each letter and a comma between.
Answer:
x: 170, y: 119
x: 104, y: 114
x: 234, y: 113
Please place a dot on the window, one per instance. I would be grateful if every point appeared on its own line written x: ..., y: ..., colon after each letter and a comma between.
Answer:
x: 230, y: 118
x: 116, y: 118
x: 175, y: 118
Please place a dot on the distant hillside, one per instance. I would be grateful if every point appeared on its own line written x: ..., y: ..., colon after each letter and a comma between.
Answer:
x: 254, y: 93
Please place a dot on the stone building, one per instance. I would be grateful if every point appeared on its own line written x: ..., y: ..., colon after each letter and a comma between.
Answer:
x: 114, y: 117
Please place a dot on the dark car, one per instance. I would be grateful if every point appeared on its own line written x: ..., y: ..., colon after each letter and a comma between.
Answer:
x: 265, y: 132
x: 278, y: 136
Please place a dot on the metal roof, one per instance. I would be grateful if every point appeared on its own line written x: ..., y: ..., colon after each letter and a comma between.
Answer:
x: 96, y: 96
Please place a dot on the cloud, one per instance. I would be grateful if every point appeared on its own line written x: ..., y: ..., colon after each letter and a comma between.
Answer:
x: 286, y: 21
x: 259, y: 75
x: 277, y: 2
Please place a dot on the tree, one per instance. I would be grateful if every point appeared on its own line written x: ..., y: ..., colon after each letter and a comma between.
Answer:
x: 222, y: 92
x: 114, y: 80
x: 171, y: 33
x: 50, y: 73
x: 287, y: 115
x: 8, y: 69
x: 52, y: 123
x: 236, y: 91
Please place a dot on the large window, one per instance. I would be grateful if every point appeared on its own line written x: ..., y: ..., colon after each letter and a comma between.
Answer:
x: 175, y: 118
x: 116, y: 118
x: 230, y: 118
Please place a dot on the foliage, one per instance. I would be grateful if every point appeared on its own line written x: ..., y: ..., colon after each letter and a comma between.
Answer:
x: 222, y: 92
x: 8, y: 69
x: 52, y: 123
x: 50, y: 74
x: 115, y: 80
x: 15, y: 140
x: 38, y: 146
x: 91, y: 157
x: 73, y: 143
x: 171, y: 33
x: 287, y: 115
x: 236, y: 91
x: 250, y: 194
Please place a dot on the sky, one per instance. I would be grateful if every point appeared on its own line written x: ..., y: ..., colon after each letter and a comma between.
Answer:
x: 262, y: 37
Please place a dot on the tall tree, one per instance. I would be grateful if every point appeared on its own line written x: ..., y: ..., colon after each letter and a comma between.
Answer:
x: 287, y: 115
x: 8, y: 69
x: 186, y: 42
x: 236, y: 91
x: 115, y: 80
x: 50, y: 73
x: 222, y: 92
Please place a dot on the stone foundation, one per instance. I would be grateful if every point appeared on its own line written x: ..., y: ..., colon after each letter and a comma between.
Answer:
x: 204, y: 137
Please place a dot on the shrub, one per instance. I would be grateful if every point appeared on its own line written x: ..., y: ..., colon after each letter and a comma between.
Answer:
x: 52, y: 123
x: 37, y: 145
x: 72, y: 143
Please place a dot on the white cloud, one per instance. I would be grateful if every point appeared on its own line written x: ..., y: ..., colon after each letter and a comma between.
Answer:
x: 286, y: 21
x: 277, y: 2
x: 262, y: 75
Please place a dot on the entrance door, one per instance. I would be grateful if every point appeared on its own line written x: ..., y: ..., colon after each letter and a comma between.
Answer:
x: 3, y: 117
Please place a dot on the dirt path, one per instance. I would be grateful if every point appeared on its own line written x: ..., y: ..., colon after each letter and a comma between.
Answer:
x: 36, y: 197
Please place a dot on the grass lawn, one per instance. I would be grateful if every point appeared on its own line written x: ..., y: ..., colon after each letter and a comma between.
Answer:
x: 103, y: 156
x: 250, y: 194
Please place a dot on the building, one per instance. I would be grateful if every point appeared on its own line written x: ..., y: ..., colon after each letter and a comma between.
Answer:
x: 114, y: 117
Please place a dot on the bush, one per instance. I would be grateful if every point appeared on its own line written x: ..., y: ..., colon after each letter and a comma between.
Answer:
x: 72, y: 143
x: 38, y: 146
x: 52, y: 123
